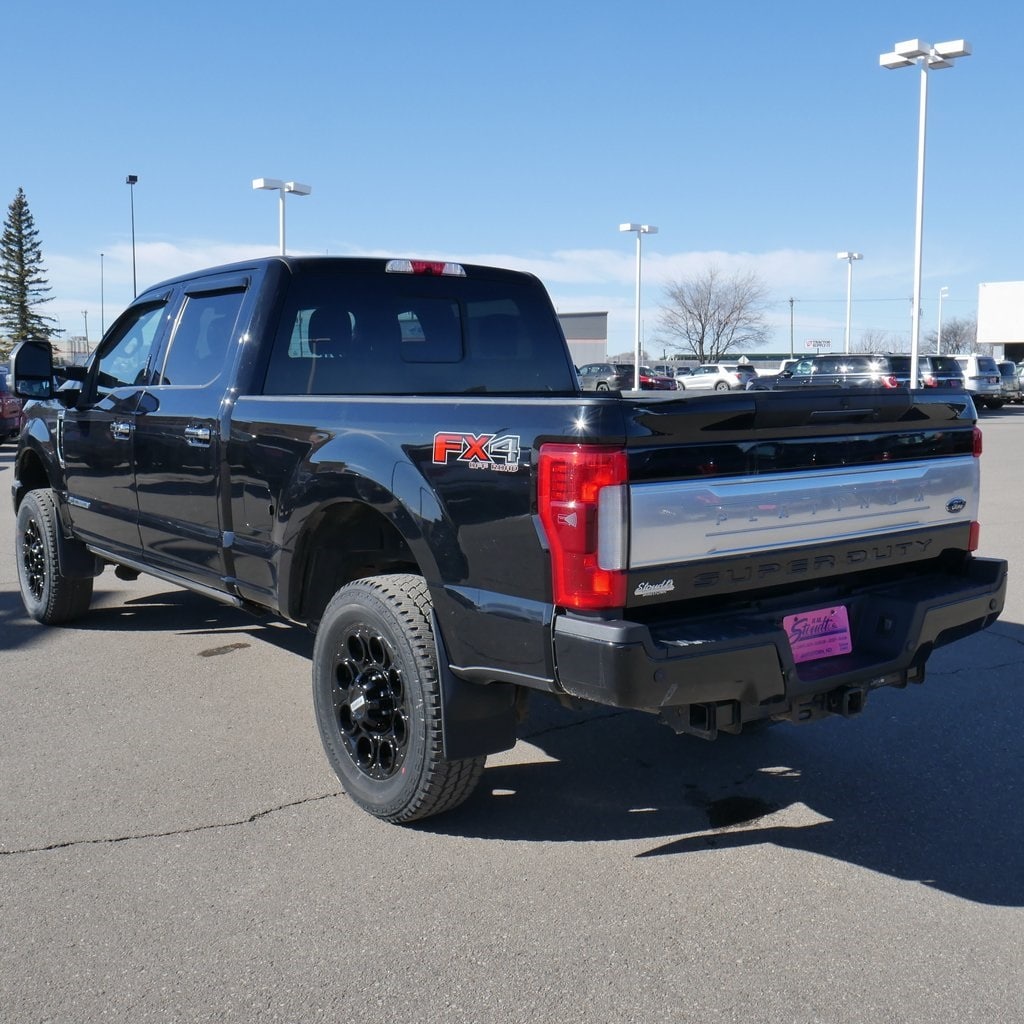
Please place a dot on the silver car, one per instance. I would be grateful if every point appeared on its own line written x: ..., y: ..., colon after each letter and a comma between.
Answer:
x: 983, y: 380
x: 719, y: 377
x: 1009, y: 382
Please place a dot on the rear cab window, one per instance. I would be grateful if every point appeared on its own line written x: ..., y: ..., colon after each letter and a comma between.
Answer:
x: 365, y: 332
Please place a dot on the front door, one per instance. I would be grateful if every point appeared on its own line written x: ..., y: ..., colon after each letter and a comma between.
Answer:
x: 96, y: 437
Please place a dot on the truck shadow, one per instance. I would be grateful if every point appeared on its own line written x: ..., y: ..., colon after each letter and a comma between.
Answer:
x: 174, y: 610
x: 924, y: 786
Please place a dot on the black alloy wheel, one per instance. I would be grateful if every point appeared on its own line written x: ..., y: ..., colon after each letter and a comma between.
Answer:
x: 378, y: 701
x: 49, y: 596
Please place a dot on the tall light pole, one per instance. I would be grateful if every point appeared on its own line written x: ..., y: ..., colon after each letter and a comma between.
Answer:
x: 640, y: 229
x: 103, y: 317
x: 928, y: 58
x: 849, y: 257
x: 943, y: 292
x: 131, y: 182
x: 281, y: 187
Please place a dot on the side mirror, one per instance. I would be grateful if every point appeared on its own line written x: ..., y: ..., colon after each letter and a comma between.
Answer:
x: 32, y: 370
x: 69, y: 392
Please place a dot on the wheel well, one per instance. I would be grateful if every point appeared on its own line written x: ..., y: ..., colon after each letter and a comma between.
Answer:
x: 344, y: 542
x: 31, y: 475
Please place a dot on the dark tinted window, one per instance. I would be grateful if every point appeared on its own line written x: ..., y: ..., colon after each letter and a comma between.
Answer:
x: 944, y: 364
x: 202, y: 337
x: 899, y: 365
x: 346, y: 332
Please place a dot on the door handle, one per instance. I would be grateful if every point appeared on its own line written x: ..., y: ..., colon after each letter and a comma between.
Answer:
x: 198, y: 437
x: 121, y: 430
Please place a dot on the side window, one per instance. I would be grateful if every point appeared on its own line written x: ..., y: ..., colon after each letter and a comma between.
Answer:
x: 124, y: 359
x: 202, y: 337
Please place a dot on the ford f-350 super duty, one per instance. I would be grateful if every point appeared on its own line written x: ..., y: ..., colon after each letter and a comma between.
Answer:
x: 397, y: 454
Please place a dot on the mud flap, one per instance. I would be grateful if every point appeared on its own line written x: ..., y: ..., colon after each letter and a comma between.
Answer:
x: 477, y: 719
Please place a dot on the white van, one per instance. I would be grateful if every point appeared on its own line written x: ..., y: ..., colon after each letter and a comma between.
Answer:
x: 982, y: 380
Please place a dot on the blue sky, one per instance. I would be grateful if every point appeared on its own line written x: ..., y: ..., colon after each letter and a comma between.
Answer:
x: 757, y: 137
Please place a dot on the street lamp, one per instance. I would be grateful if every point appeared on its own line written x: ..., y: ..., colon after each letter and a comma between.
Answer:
x: 131, y: 181
x: 640, y: 229
x: 849, y: 257
x: 928, y: 58
x: 281, y: 187
x: 943, y: 292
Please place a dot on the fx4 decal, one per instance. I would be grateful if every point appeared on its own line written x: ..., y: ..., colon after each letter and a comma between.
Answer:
x: 499, y: 452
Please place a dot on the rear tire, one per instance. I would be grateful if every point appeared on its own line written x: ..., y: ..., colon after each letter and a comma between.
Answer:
x: 377, y: 696
x: 49, y: 596
x: 721, y: 386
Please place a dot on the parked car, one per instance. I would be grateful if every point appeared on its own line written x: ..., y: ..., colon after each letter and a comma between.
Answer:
x: 983, y: 380
x: 719, y: 377
x: 878, y: 370
x: 620, y: 377
x: 941, y: 372
x: 10, y: 411
x: 651, y: 380
x: 1009, y: 381
x: 606, y: 376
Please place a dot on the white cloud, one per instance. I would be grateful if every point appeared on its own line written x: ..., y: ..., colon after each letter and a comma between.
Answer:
x: 578, y: 280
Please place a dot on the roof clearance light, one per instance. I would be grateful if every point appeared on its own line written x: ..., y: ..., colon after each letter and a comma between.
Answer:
x: 430, y: 268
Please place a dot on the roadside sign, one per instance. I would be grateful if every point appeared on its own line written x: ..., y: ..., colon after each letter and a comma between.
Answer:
x: 818, y: 343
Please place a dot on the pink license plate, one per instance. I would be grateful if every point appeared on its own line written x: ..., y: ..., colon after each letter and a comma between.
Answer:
x: 819, y: 634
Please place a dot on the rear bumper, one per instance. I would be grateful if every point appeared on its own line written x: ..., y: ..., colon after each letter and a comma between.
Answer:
x: 744, y: 664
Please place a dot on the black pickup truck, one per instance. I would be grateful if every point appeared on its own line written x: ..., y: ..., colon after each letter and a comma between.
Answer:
x: 397, y: 454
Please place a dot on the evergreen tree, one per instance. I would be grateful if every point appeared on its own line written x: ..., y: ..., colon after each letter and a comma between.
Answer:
x: 23, y: 283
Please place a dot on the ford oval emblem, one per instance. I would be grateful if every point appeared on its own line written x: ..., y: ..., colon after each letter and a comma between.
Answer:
x: 955, y: 505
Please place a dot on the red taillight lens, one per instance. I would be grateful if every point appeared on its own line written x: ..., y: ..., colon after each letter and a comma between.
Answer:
x: 569, y: 484
x: 974, y: 537
x: 976, y: 447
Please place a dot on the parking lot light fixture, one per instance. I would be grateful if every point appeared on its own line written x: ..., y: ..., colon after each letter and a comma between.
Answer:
x: 640, y: 229
x: 131, y: 181
x: 849, y: 257
x: 943, y: 292
x: 282, y: 188
x: 927, y: 58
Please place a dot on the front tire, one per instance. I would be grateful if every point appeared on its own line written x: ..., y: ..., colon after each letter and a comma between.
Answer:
x: 377, y: 696
x: 49, y: 596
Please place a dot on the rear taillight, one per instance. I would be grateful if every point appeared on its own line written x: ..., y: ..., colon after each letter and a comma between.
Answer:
x: 974, y: 538
x: 581, y: 500
x: 976, y: 444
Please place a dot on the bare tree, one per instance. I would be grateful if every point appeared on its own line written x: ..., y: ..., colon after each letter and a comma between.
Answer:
x: 712, y: 316
x: 958, y: 335
x: 873, y: 340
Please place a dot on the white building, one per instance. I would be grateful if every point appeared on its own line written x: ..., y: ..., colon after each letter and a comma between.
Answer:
x: 1001, y: 318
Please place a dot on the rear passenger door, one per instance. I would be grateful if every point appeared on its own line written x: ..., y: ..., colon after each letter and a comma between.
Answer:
x: 178, y: 443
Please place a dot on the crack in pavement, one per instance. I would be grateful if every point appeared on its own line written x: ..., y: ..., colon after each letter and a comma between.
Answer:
x: 172, y: 832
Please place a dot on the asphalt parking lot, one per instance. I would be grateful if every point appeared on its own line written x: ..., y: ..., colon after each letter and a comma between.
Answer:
x: 173, y: 846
